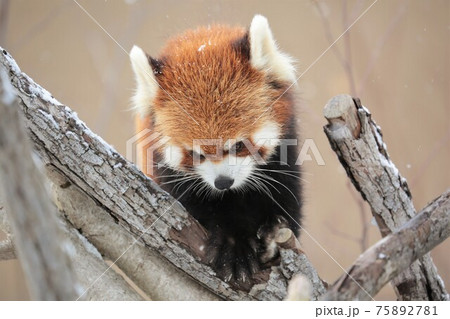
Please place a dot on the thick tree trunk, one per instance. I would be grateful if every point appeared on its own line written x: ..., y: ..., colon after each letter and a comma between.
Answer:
x: 37, y: 235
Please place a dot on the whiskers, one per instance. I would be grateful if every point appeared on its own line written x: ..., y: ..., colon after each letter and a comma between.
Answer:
x: 290, y: 173
x: 262, y: 180
x: 272, y: 182
x: 193, y: 183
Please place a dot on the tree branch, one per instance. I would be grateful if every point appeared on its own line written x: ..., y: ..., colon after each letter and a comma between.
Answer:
x: 148, y: 216
x: 34, y: 224
x: 394, y: 253
x: 4, y: 224
x: 88, y: 265
x: 357, y: 141
x: 159, y: 279
x: 7, y: 251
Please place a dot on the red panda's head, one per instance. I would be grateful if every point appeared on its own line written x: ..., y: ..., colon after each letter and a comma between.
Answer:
x: 218, y: 94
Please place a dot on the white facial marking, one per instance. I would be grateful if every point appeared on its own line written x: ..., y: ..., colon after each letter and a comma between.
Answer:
x: 173, y: 155
x: 239, y: 168
x: 268, y: 136
x: 231, y: 166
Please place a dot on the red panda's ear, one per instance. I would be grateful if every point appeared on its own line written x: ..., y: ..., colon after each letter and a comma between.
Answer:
x: 242, y: 46
x: 146, y: 84
x: 264, y: 52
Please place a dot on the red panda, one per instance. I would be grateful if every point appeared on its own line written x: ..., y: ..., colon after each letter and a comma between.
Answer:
x: 220, y: 98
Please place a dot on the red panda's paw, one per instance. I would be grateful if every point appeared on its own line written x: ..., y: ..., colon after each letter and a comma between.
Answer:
x: 234, y: 259
x: 267, y: 234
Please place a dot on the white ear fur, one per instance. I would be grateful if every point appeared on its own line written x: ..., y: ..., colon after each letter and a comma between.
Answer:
x: 146, y: 84
x: 264, y: 52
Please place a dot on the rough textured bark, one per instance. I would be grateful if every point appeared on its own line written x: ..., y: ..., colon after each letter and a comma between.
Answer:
x: 131, y: 199
x: 87, y: 263
x: 7, y: 251
x: 38, y: 239
x: 293, y: 262
x: 158, y: 278
x: 4, y: 224
x: 358, y: 142
x: 394, y: 253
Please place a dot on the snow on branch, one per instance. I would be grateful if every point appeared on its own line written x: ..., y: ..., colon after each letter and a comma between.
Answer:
x: 358, y: 143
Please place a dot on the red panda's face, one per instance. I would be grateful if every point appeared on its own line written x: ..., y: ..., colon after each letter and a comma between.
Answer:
x: 222, y: 163
x: 222, y: 112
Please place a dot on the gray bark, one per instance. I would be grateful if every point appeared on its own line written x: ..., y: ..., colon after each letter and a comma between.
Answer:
x: 394, y: 253
x: 7, y: 251
x: 358, y: 143
x: 158, y: 278
x: 38, y: 239
x: 87, y: 263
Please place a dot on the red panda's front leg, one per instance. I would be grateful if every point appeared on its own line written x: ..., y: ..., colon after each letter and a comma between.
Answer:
x: 234, y: 257
x: 237, y: 256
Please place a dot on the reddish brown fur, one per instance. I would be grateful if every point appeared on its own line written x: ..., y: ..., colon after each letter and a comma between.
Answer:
x: 216, y: 86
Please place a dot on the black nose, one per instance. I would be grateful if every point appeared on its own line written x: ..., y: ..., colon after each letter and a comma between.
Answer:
x: 223, y: 182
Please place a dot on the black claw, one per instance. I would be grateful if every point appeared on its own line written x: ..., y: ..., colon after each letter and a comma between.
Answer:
x: 236, y: 259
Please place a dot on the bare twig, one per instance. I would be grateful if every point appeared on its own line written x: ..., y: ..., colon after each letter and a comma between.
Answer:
x: 348, y: 66
x: 376, y: 50
x: 394, y: 253
x: 438, y: 146
x: 327, y: 29
x: 108, y: 73
x: 344, y: 60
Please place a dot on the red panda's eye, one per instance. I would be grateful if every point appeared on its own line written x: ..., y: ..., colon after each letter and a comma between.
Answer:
x: 238, y: 147
x: 197, y: 156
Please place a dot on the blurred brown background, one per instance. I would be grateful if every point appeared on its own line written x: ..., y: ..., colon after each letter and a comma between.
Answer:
x: 395, y: 58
